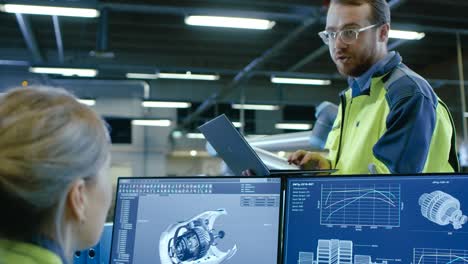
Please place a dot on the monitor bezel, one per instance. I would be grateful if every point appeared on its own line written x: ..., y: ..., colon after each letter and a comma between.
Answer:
x: 284, y: 180
x: 279, y: 257
x: 287, y: 178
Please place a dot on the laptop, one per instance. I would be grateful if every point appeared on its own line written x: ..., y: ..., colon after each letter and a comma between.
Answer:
x: 170, y: 220
x: 379, y: 219
x: 239, y: 156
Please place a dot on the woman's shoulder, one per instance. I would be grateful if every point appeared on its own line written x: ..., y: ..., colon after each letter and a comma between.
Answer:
x: 25, y: 253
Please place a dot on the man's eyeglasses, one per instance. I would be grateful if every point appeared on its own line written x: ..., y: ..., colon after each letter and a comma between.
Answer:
x: 348, y: 36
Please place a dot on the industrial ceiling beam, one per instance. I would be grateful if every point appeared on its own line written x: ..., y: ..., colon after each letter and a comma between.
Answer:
x: 246, y: 73
x: 14, y: 63
x: 291, y: 16
x: 333, y: 76
x: 58, y: 38
x: 103, y: 83
x: 395, y: 44
x: 184, y: 11
x: 309, y: 58
x: 394, y: 4
x: 29, y: 38
x: 103, y: 31
x: 412, y: 16
x: 430, y: 29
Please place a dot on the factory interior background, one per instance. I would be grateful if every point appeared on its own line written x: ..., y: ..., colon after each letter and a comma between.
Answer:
x: 155, y: 77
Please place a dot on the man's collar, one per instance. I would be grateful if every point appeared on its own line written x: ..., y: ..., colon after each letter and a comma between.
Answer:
x: 361, y: 85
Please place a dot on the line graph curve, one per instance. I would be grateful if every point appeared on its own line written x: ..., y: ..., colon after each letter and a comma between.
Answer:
x: 360, y: 205
x: 439, y: 256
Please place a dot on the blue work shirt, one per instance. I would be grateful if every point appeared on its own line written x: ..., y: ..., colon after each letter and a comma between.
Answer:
x: 361, y: 85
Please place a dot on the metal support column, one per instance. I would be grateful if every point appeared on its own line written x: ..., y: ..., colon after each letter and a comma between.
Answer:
x: 58, y: 37
x: 462, y: 87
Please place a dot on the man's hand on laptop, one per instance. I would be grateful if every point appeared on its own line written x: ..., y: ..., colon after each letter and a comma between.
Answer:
x: 307, y: 160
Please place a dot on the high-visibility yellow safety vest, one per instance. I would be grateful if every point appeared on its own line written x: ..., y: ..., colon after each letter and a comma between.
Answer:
x: 398, y: 125
x: 13, y: 252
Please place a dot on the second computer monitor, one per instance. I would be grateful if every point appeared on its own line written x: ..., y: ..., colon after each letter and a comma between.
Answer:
x: 197, y: 220
x: 418, y: 219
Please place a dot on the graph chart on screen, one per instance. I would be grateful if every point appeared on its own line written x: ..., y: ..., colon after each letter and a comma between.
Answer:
x: 376, y: 205
x: 439, y: 256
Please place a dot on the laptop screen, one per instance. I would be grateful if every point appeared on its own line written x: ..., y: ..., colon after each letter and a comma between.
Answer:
x: 389, y: 219
x: 197, y: 220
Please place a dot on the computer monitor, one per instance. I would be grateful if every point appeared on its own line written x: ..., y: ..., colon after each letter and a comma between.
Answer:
x: 418, y: 219
x: 197, y: 220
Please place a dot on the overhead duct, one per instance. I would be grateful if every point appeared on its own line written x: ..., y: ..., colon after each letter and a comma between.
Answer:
x: 326, y: 114
x: 29, y: 37
x: 117, y: 88
x: 273, y: 161
x: 247, y: 71
x: 102, y: 37
x: 282, y: 142
x: 178, y: 10
x: 314, y: 139
x: 265, y: 146
x: 58, y: 38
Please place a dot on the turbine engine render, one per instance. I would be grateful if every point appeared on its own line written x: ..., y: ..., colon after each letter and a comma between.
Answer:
x: 442, y: 209
x: 194, y: 241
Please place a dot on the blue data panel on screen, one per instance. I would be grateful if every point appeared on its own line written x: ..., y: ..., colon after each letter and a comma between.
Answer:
x: 419, y: 219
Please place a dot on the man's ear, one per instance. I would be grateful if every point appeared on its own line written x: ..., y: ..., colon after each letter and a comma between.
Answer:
x: 384, y: 32
x: 76, y: 200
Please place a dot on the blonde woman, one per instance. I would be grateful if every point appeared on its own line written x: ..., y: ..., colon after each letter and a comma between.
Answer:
x: 54, y: 188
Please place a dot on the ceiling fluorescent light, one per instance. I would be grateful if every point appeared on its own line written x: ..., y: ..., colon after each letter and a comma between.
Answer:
x: 141, y: 76
x: 50, y: 10
x: 252, y: 136
x: 229, y: 22
x: 299, y: 81
x: 181, y: 76
x: 188, y: 76
x: 409, y: 35
x: 195, y: 135
x: 161, y: 104
x: 88, y: 102
x: 65, y: 71
x: 255, y: 107
x: 293, y: 126
x: 192, y: 153
x: 177, y: 134
x: 237, y: 124
x: 147, y: 122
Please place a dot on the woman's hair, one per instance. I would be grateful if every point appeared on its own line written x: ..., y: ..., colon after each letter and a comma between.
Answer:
x: 47, y: 141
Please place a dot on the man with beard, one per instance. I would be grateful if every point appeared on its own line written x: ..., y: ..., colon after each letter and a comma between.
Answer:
x: 389, y: 120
